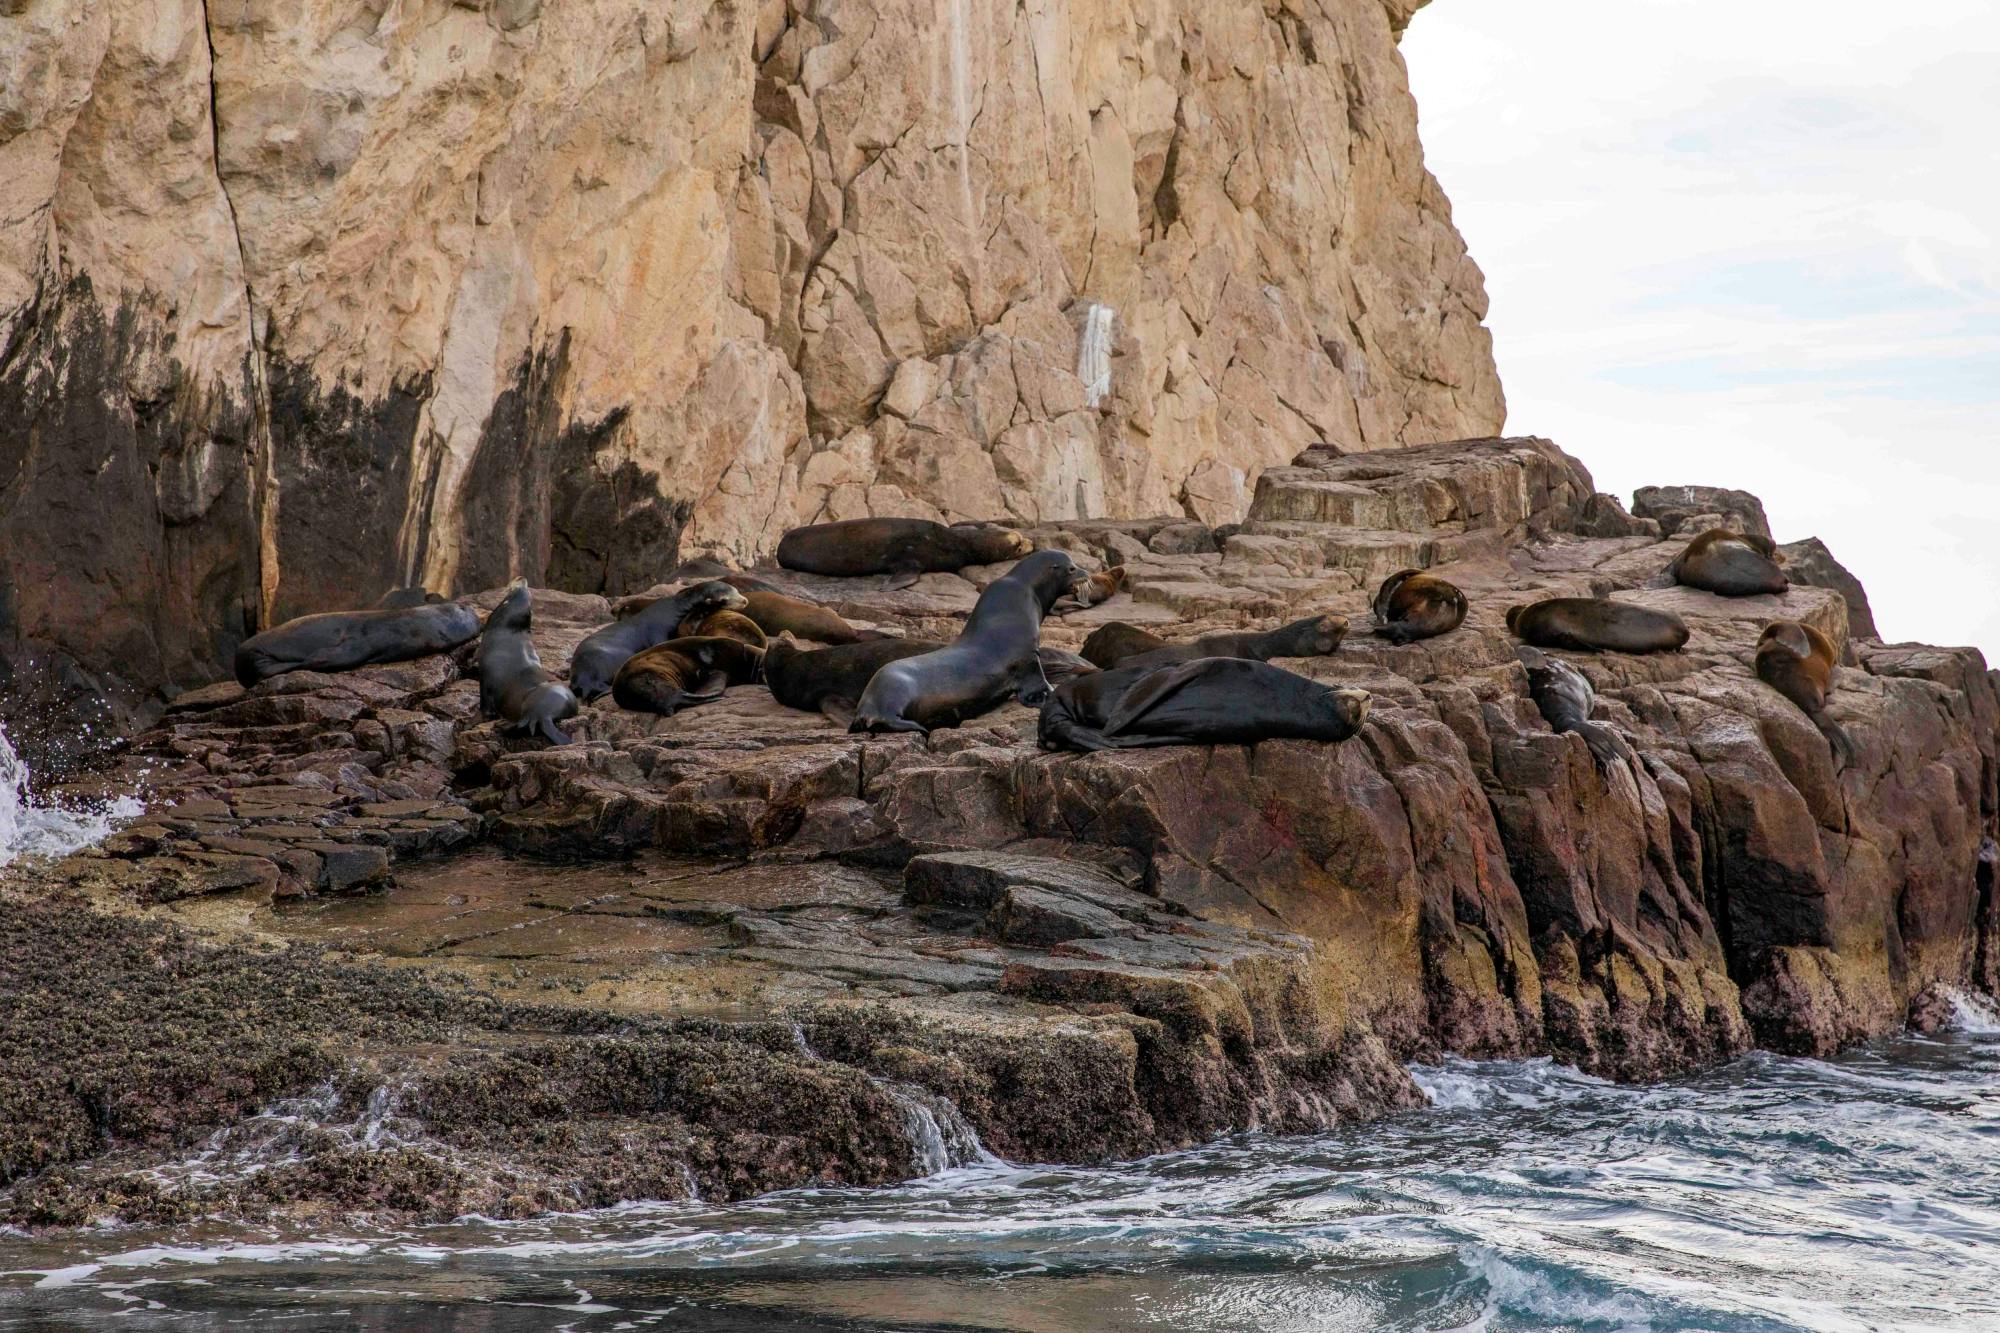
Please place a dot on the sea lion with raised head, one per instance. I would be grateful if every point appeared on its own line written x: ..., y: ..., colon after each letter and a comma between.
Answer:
x: 724, y: 624
x: 1211, y: 701
x: 512, y: 683
x: 1730, y: 564
x: 1315, y: 636
x: 680, y: 673
x: 1564, y: 697
x: 597, y: 659
x: 344, y: 640
x: 903, y: 546
x: 1797, y: 661
x: 994, y: 656
x: 1413, y: 605
x: 1597, y: 624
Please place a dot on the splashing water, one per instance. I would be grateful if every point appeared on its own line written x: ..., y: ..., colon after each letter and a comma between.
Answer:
x: 32, y: 830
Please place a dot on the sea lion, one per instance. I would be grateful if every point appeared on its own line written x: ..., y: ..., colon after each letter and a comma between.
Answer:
x: 1797, y: 661
x: 992, y: 657
x: 402, y: 599
x: 344, y: 640
x: 512, y: 684
x: 679, y: 673
x: 831, y: 680
x: 1315, y: 636
x: 1730, y: 564
x: 905, y: 546
x: 1101, y: 587
x: 1593, y: 624
x: 1210, y: 701
x: 777, y: 614
x: 1413, y: 605
x: 1059, y: 665
x: 1564, y: 696
x: 724, y: 625
x: 1109, y: 644
x: 597, y: 659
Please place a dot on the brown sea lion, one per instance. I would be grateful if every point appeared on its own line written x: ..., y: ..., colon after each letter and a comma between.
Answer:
x: 1730, y: 564
x: 1109, y: 644
x: 1211, y: 701
x: 1102, y: 587
x: 597, y: 659
x: 905, y: 546
x: 777, y: 614
x: 344, y: 640
x: 1595, y: 624
x: 680, y: 673
x: 1413, y: 605
x: 1797, y: 661
x: 1315, y: 636
x: 512, y: 683
x: 1564, y: 697
x: 735, y: 625
x: 993, y: 657
x: 831, y: 680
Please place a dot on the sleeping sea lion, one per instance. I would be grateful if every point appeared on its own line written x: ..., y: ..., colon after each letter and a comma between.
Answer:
x: 1211, y: 701
x: 1109, y: 644
x: 1101, y: 587
x: 402, y: 599
x: 906, y: 546
x: 1413, y: 605
x: 831, y: 680
x: 343, y: 640
x: 1315, y: 636
x: 1594, y: 624
x: 1797, y: 661
x: 724, y: 625
x: 1730, y: 564
x: 994, y: 655
x: 1564, y: 695
x: 597, y: 659
x: 777, y: 614
x: 680, y: 673
x: 512, y: 684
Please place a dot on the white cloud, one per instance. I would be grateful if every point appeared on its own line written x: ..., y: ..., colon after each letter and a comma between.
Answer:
x: 1752, y: 245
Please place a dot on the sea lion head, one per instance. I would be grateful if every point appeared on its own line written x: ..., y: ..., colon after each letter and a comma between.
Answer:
x: 993, y: 544
x: 515, y: 611
x: 1514, y: 615
x: 1789, y: 635
x: 1327, y: 632
x: 1347, y: 708
x: 708, y: 598
x: 1050, y: 574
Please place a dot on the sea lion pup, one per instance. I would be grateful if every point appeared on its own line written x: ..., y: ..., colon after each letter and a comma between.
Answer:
x: 831, y: 680
x: 1211, y: 701
x: 1315, y: 636
x: 344, y: 640
x: 512, y: 684
x: 1413, y: 605
x: 597, y: 659
x: 680, y: 673
x: 1564, y: 696
x: 1730, y: 564
x: 1797, y: 661
x: 994, y: 656
x: 1597, y: 624
x: 905, y: 546
x: 735, y: 625
x: 1101, y: 587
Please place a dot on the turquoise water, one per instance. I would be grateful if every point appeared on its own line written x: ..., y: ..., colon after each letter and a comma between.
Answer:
x: 1774, y: 1194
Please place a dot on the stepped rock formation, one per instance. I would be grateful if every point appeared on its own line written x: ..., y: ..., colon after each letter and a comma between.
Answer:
x: 300, y: 302
x: 1085, y: 956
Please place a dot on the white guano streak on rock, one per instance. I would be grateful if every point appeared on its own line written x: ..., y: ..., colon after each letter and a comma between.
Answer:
x: 1093, y: 353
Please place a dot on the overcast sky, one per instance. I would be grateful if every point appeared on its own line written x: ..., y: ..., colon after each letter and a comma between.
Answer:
x: 1748, y: 243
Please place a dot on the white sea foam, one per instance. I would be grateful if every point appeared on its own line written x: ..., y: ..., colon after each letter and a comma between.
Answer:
x: 1974, y: 1013
x: 32, y: 830
x: 1458, y: 1084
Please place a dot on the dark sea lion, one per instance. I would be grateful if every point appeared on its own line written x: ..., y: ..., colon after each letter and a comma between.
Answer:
x: 344, y: 640
x: 597, y: 659
x: 1564, y: 695
x: 1797, y: 661
x: 1059, y: 665
x: 1109, y: 644
x: 1102, y: 587
x: 831, y: 680
x: 1730, y: 564
x: 680, y: 673
x: 512, y: 684
x: 994, y: 656
x: 1211, y: 701
x: 402, y: 599
x: 1413, y: 605
x: 1595, y: 624
x: 724, y: 625
x: 907, y: 546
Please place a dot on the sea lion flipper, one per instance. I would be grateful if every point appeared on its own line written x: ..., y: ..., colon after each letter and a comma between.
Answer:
x: 550, y: 732
x: 1150, y: 691
x: 838, y: 711
x: 710, y: 686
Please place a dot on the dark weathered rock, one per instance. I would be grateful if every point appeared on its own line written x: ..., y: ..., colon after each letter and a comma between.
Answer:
x: 1810, y: 563
x: 1675, y: 508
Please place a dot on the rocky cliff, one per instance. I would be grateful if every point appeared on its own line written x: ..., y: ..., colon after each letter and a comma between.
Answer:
x: 299, y: 302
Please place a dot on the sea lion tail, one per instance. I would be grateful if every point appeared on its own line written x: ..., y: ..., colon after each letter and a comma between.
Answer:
x: 1845, y: 751
x: 550, y: 732
x: 1607, y: 747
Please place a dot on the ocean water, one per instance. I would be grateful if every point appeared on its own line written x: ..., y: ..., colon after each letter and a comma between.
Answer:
x: 37, y: 829
x: 1858, y: 1193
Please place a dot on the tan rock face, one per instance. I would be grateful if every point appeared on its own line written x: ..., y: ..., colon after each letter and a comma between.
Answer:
x: 454, y: 292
